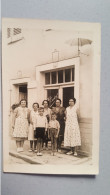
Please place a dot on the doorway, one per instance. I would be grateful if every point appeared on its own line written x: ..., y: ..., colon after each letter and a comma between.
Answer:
x: 23, y: 92
x: 68, y: 93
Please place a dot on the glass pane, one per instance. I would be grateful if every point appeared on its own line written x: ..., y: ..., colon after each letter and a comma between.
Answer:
x: 53, y: 74
x: 60, y: 76
x: 73, y: 71
x: 52, y: 95
x: 67, y: 75
x: 47, y: 78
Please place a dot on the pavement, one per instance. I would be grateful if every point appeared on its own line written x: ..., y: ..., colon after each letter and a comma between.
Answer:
x: 58, y: 159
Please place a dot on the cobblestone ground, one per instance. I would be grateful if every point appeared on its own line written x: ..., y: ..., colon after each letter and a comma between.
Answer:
x: 58, y: 159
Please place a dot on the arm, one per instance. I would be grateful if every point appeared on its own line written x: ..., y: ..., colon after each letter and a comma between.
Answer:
x: 58, y: 129
x: 78, y: 114
x: 14, y: 117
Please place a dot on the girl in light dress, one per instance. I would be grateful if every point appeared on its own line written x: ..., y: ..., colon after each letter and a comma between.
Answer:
x: 33, y: 117
x: 47, y: 114
x: 72, y: 132
x: 20, y: 124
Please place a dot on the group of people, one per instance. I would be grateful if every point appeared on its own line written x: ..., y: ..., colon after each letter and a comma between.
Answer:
x: 42, y: 124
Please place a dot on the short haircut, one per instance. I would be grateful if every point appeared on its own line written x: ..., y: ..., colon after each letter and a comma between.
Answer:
x: 53, y: 113
x: 58, y: 100
x: 74, y: 100
x: 41, y: 108
x: 22, y: 101
x: 45, y: 101
x: 35, y: 103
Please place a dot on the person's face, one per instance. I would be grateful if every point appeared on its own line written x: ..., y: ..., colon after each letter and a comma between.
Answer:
x: 45, y: 104
x: 57, y: 103
x: 23, y: 103
x: 71, y: 102
x: 53, y: 117
x: 41, y: 112
x: 35, y: 107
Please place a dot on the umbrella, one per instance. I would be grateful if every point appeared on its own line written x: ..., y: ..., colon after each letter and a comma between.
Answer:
x: 79, y: 42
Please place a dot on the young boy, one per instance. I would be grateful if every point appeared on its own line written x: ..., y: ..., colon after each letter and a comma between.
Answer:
x: 41, y: 128
x: 54, y: 128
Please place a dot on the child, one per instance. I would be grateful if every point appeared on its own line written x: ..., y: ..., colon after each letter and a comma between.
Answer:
x: 54, y: 127
x: 33, y: 117
x: 41, y: 128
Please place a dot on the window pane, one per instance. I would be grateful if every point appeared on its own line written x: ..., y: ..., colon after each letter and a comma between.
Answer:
x: 47, y: 78
x: 60, y: 76
x: 53, y: 74
x: 52, y: 95
x: 73, y: 71
x: 67, y: 75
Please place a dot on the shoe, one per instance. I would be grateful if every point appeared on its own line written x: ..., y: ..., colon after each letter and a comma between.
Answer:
x: 69, y: 153
x: 46, y: 148
x: 21, y: 149
x: 75, y: 154
x: 40, y: 154
x: 35, y: 150
x: 59, y: 150
x: 30, y: 150
x: 52, y: 154
x: 18, y: 150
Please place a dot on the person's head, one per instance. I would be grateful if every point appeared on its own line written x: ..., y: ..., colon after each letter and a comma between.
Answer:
x: 23, y: 103
x: 53, y: 116
x: 35, y: 106
x: 58, y: 102
x: 41, y: 111
x: 45, y: 103
x: 72, y: 101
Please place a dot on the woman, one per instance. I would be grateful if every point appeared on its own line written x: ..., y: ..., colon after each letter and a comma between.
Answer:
x: 47, y: 113
x: 60, y: 113
x: 72, y: 132
x: 20, y: 124
x: 33, y: 118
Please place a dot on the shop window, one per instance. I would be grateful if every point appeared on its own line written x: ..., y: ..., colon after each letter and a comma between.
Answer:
x: 73, y: 75
x: 47, y: 78
x: 67, y: 75
x: 53, y: 75
x: 60, y: 76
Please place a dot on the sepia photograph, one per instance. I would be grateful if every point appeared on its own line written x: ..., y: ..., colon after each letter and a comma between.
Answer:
x: 51, y: 96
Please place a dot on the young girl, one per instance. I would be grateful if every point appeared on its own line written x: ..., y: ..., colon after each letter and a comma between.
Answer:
x: 41, y: 128
x: 54, y: 127
x: 20, y: 124
x: 33, y: 117
x: 72, y: 132
x: 47, y: 113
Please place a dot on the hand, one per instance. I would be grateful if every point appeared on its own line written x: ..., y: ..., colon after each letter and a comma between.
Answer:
x: 56, y: 136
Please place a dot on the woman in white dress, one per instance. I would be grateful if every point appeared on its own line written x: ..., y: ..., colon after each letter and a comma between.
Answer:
x: 33, y: 117
x: 20, y: 124
x: 72, y: 137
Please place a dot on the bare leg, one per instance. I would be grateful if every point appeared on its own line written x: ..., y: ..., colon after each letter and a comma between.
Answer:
x: 35, y: 144
x: 38, y: 144
x: 31, y: 144
x: 22, y: 143
x: 18, y: 144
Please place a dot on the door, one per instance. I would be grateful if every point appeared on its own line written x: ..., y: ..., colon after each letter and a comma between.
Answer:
x: 22, y: 92
x: 68, y: 93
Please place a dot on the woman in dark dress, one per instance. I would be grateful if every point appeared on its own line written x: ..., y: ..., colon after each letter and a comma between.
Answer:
x: 60, y: 113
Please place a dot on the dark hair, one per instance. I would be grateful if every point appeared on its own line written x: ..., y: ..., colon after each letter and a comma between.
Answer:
x: 74, y: 100
x: 58, y: 99
x: 53, y: 113
x: 22, y: 101
x: 45, y: 101
x: 40, y: 108
x: 35, y: 103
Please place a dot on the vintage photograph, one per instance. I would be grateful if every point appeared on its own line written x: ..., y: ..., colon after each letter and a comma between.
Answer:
x: 51, y: 96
